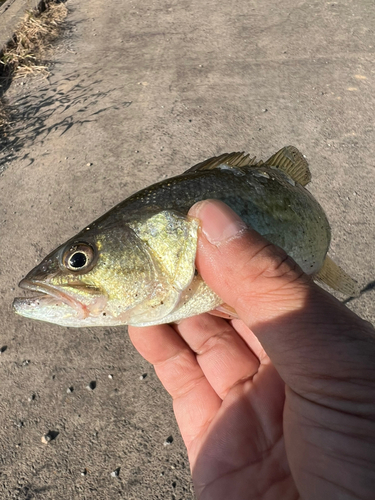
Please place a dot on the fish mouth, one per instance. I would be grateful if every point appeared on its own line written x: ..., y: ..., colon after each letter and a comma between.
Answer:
x: 48, y: 291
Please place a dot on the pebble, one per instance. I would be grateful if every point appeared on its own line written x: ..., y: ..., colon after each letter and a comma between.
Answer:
x: 143, y: 376
x: 84, y: 472
x: 46, y: 439
x: 70, y: 389
x: 116, y: 472
x: 26, y: 362
x: 3, y: 349
x: 89, y: 164
x: 110, y: 376
x: 168, y: 441
x: 31, y: 398
x: 50, y: 436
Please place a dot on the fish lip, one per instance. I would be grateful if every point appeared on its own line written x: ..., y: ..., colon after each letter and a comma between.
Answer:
x: 51, y: 290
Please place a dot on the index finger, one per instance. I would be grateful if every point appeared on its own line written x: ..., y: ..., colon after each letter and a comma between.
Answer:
x: 195, y: 402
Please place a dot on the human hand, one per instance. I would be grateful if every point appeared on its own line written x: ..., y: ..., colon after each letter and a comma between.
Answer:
x: 279, y: 404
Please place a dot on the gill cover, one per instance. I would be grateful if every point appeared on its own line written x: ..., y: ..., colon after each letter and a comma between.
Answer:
x: 171, y: 239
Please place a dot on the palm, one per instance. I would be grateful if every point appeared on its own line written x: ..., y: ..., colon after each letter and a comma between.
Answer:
x: 229, y: 403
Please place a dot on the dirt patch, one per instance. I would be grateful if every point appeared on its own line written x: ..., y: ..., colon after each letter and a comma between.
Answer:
x: 27, y: 51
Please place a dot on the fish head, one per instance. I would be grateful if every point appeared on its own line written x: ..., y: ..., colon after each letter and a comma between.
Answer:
x: 114, y: 274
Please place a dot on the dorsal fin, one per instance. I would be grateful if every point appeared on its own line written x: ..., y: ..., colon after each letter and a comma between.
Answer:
x: 235, y: 160
x: 332, y: 275
x: 292, y: 162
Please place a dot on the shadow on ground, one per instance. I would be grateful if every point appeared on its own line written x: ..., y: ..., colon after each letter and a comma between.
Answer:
x: 370, y: 286
x: 56, y: 107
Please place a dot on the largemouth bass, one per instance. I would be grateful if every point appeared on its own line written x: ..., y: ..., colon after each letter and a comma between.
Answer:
x: 135, y: 264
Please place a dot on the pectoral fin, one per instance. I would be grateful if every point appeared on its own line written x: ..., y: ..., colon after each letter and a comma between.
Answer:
x: 172, y: 239
x: 332, y: 275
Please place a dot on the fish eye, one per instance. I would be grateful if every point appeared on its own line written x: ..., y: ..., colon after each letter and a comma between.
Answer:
x: 78, y: 257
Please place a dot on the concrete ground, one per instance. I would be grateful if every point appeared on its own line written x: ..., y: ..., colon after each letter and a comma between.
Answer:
x: 140, y: 91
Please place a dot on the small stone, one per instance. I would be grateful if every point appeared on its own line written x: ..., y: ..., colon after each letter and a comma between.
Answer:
x: 84, y: 472
x: 91, y: 386
x: 26, y: 362
x: 116, y: 472
x: 110, y: 376
x: 168, y: 441
x: 264, y: 110
x: 50, y: 436
x: 31, y: 398
x: 143, y: 376
x: 46, y: 439
x: 19, y: 424
x: 70, y: 389
x: 89, y: 164
x: 5, y: 347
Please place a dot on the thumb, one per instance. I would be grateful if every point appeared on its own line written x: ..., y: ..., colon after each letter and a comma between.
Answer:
x: 301, y: 327
x: 253, y: 276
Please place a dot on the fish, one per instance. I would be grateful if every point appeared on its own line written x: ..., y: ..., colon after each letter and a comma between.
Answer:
x: 135, y: 265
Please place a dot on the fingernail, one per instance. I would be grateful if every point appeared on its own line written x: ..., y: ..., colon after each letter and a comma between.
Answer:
x: 219, y: 223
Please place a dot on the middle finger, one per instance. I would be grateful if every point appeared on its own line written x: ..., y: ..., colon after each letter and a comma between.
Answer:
x: 222, y: 354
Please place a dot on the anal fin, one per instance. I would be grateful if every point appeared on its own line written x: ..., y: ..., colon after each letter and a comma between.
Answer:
x: 332, y: 275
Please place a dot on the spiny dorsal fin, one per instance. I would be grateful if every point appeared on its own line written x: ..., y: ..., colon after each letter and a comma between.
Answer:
x: 292, y: 162
x: 332, y: 275
x: 236, y: 160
